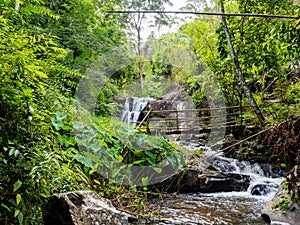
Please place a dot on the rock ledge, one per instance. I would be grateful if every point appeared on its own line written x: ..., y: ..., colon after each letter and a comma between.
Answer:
x: 83, y: 208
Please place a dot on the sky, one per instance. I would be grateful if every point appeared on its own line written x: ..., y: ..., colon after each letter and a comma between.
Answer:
x: 177, y: 4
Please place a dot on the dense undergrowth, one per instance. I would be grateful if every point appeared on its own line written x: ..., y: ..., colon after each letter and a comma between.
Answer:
x: 67, y: 157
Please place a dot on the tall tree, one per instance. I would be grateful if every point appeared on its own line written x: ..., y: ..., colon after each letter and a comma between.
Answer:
x: 136, y: 23
x: 239, y: 70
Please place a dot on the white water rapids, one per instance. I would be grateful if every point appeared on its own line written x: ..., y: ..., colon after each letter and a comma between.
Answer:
x: 234, y: 208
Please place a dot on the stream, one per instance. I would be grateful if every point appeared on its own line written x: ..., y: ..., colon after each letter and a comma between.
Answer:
x: 222, y: 207
x: 235, y: 208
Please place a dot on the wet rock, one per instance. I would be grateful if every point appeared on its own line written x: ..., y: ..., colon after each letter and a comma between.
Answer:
x: 258, y: 190
x: 263, y: 189
x: 290, y: 216
x: 270, y: 171
x: 168, y: 184
x: 83, y: 208
x: 223, y: 182
x: 277, y: 172
x: 224, y: 166
x: 196, y: 179
x: 190, y: 181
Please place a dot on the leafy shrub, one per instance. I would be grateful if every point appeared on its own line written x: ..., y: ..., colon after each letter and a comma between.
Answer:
x: 31, y: 172
x: 116, y: 148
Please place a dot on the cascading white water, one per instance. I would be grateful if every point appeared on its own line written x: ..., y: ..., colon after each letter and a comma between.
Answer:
x: 223, y: 207
x: 133, y: 108
x: 261, y: 183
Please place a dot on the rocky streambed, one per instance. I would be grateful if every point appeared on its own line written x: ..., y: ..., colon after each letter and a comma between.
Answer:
x: 227, y: 191
x: 219, y: 190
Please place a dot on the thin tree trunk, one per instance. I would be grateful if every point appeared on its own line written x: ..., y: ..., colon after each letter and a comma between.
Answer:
x: 239, y: 71
x: 139, y: 24
x: 140, y: 62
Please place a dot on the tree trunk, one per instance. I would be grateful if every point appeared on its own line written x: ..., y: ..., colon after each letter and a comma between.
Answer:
x: 140, y: 60
x: 139, y: 48
x: 239, y: 71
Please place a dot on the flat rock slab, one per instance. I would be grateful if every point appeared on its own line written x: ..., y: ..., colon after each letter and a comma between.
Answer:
x: 291, y: 217
x: 83, y: 208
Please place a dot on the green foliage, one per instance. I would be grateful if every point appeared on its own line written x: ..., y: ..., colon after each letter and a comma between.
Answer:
x: 116, y: 148
x: 286, y: 201
x: 267, y: 50
x: 39, y: 151
x: 31, y: 171
x: 33, y: 162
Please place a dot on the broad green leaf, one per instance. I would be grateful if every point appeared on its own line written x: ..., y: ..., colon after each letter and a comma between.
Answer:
x: 58, y: 124
x: 11, y: 151
x: 94, y: 158
x: 61, y: 116
x: 17, y: 185
x: 84, y: 160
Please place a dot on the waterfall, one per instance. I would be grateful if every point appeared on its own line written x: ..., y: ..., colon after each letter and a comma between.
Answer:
x: 133, y: 108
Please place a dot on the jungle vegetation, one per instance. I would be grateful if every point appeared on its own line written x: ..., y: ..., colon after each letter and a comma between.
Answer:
x: 50, y: 142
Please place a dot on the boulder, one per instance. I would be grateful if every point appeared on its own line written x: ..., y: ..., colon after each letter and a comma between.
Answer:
x: 263, y: 189
x: 223, y: 182
x: 223, y: 165
x: 200, y: 179
x: 272, y: 215
x: 163, y: 105
x: 190, y: 181
x: 83, y: 208
x: 272, y: 171
x: 168, y: 184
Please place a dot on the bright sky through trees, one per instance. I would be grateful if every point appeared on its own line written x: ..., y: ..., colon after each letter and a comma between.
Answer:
x: 177, y: 4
